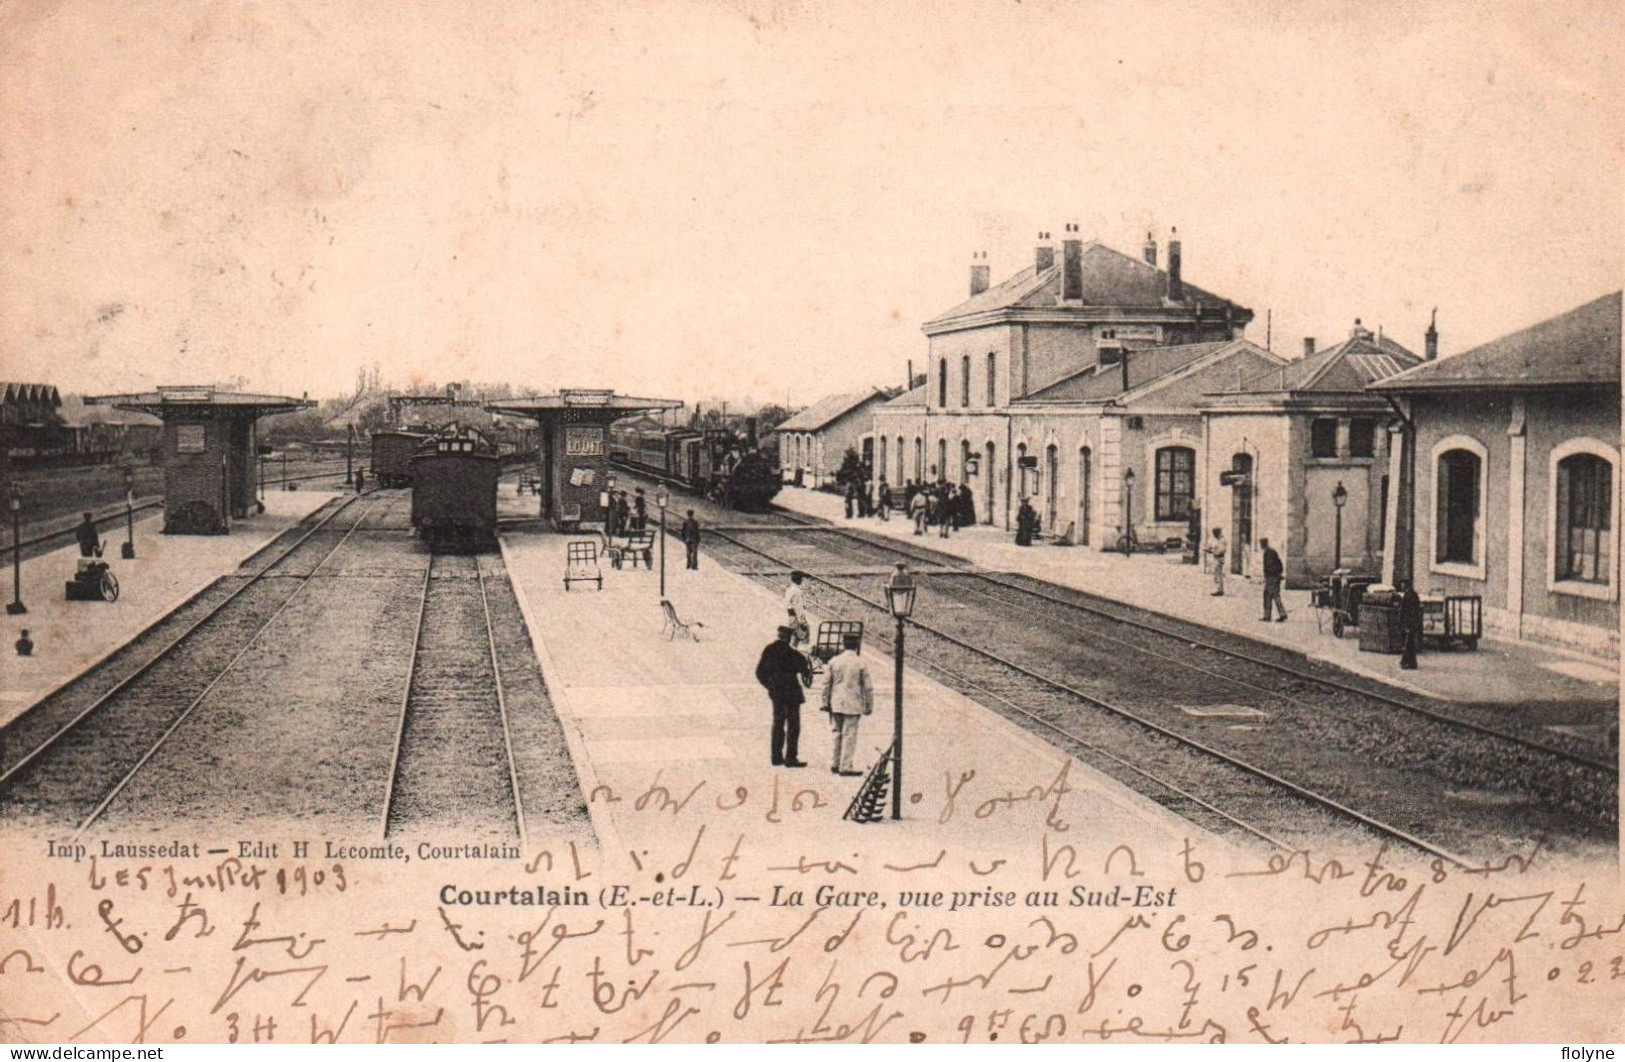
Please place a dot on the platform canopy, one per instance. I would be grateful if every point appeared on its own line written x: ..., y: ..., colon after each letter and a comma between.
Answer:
x: 190, y: 401
x: 572, y: 451
x: 597, y: 405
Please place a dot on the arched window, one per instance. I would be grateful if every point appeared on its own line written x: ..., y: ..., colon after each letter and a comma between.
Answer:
x: 1456, y: 482
x: 880, y: 462
x: 942, y: 459
x: 902, y: 472
x: 1583, y: 545
x: 942, y: 383
x: 992, y: 379
x: 964, y: 380
x: 1176, y: 482
x: 919, y: 459
x: 964, y: 461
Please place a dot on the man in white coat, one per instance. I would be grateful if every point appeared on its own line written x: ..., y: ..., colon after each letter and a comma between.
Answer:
x: 849, y: 695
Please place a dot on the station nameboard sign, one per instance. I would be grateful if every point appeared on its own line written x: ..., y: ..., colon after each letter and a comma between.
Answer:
x: 191, y: 438
x: 586, y: 398
x: 583, y: 441
x: 186, y: 394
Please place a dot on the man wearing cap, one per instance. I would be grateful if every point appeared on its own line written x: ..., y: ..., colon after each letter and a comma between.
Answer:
x: 849, y: 695
x: 90, y: 543
x: 784, y: 672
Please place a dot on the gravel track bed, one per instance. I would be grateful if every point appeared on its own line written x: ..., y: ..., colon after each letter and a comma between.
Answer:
x: 1409, y: 800
x: 66, y: 782
x: 1529, y: 723
x: 549, y: 787
x: 35, y: 726
x: 453, y: 771
x: 1105, y: 742
x: 71, y: 776
x: 1310, y: 724
x: 302, y: 728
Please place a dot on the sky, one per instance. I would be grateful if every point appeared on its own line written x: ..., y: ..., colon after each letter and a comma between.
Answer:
x: 685, y: 198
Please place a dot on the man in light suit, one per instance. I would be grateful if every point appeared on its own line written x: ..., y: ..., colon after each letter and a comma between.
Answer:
x: 849, y: 695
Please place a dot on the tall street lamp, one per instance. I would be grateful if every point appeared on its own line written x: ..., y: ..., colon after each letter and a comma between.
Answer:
x: 900, y: 597
x: 1128, y: 512
x: 1340, y: 498
x: 662, y: 499
x: 128, y: 550
x: 16, y: 607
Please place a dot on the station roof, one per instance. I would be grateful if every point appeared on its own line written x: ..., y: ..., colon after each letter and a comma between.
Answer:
x: 1348, y: 367
x: 175, y: 401
x: 582, y: 401
x: 826, y: 410
x: 29, y: 394
x: 1580, y: 348
x: 1111, y: 281
x: 77, y: 414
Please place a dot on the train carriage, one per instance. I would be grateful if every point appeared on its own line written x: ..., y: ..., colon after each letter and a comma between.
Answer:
x: 392, y: 453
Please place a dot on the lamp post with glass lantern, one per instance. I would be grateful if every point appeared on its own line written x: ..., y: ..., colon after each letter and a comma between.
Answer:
x: 1340, y: 498
x: 900, y: 597
x: 128, y: 549
x: 16, y: 607
x: 662, y: 499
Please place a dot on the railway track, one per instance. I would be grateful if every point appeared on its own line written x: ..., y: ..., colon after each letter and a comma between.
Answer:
x: 1186, y: 772
x: 89, y: 740
x: 453, y: 762
x: 43, y: 542
x: 1189, y: 649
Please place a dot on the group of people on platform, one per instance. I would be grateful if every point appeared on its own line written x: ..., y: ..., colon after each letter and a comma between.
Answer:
x: 786, y: 673
x: 626, y: 513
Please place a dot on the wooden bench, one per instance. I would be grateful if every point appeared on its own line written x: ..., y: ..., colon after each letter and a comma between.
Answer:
x: 831, y: 639
x: 581, y: 564
x: 632, y: 545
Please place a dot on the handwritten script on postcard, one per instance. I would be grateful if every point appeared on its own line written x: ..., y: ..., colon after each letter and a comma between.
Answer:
x: 737, y: 928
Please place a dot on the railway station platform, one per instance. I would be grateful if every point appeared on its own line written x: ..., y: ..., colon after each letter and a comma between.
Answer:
x: 70, y: 637
x: 1515, y: 676
x: 672, y: 736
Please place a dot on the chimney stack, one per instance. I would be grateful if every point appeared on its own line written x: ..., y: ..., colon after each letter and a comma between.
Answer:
x: 1176, y: 285
x: 1072, y: 265
x: 978, y: 273
x: 1308, y: 345
x: 1150, y: 250
x: 1431, y: 349
x: 1044, y: 256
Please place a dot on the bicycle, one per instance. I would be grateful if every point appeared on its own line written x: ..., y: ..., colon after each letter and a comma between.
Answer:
x: 1128, y: 542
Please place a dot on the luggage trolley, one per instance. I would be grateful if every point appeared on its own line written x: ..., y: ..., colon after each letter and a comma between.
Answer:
x: 1340, y: 594
x: 93, y: 580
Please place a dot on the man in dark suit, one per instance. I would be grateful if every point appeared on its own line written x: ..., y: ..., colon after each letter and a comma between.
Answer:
x: 90, y: 543
x: 1274, y: 573
x: 784, y: 673
x: 690, y: 534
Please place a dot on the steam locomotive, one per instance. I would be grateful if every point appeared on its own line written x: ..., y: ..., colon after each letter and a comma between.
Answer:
x: 715, y: 463
x: 454, y: 490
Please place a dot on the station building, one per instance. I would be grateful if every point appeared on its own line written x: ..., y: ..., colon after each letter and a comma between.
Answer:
x: 1029, y: 382
x: 1298, y: 454
x: 1509, y: 475
x: 813, y: 443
